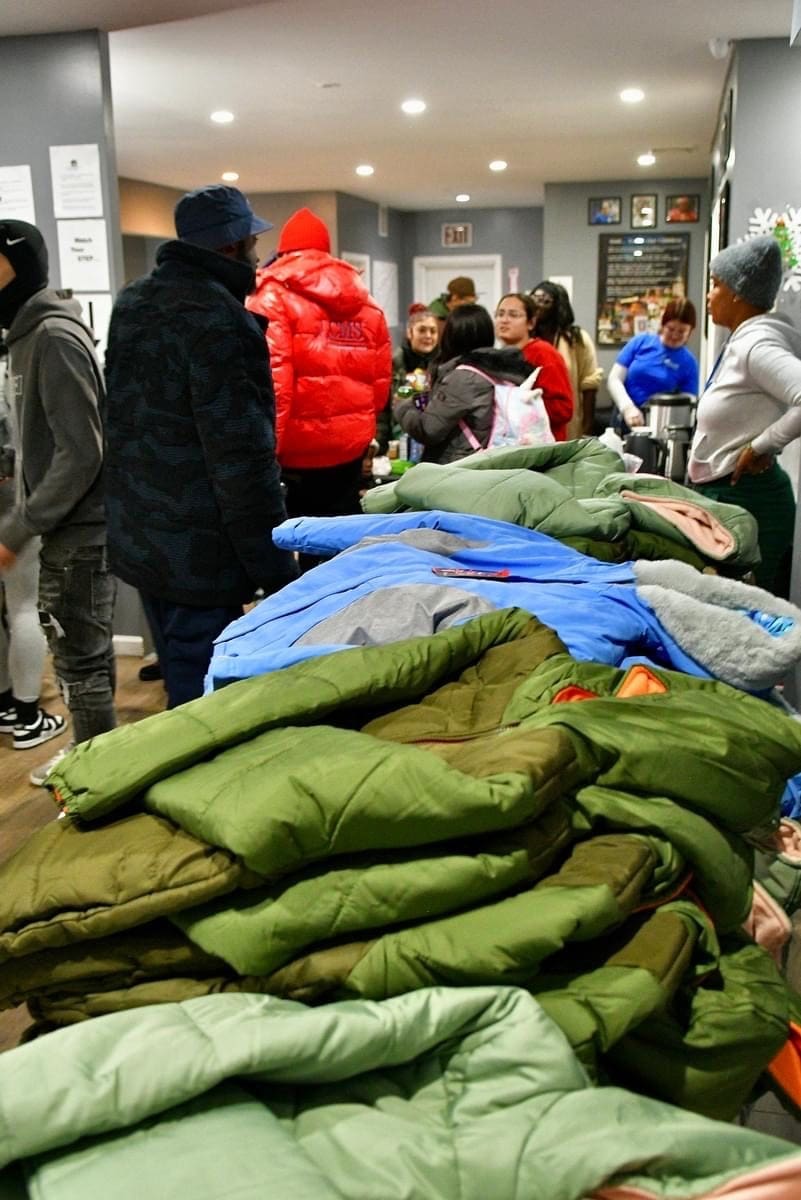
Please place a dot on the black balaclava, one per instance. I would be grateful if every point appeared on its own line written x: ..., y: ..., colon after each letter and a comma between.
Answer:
x: 23, y: 245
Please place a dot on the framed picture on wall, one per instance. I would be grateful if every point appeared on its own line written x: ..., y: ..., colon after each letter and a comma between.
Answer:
x: 681, y: 208
x: 604, y: 210
x: 643, y: 212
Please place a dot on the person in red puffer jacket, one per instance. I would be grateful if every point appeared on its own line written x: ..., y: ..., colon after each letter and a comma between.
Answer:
x: 331, y: 359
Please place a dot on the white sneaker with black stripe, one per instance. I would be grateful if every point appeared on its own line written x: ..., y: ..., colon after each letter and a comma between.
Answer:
x: 42, y: 728
x: 8, y: 719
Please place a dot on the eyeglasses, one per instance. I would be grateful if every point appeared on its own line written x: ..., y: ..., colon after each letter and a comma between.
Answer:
x: 512, y: 313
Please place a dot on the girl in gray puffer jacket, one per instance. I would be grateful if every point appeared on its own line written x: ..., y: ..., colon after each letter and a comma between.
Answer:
x: 461, y: 396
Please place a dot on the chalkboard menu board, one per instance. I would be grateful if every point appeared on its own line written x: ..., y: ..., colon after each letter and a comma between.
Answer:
x: 638, y: 273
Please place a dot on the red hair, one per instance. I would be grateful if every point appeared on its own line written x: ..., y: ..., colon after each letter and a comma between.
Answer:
x: 680, y: 310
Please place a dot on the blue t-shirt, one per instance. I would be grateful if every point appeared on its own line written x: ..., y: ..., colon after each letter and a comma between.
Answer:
x: 653, y: 367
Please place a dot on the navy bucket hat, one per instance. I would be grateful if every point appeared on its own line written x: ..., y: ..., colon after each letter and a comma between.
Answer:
x: 216, y: 216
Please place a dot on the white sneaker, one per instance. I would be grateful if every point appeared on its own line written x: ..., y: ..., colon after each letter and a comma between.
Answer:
x: 41, y: 729
x: 38, y: 775
x: 8, y: 719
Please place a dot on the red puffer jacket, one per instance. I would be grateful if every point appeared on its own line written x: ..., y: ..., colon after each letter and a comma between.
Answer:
x: 330, y: 354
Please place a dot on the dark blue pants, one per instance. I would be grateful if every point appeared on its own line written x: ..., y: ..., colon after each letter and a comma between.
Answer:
x: 184, y: 638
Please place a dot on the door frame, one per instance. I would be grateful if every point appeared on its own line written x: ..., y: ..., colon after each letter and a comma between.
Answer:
x: 461, y: 263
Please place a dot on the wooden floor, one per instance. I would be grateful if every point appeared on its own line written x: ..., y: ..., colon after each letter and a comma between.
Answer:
x: 24, y: 808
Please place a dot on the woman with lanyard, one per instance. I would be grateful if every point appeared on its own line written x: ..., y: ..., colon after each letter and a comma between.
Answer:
x: 751, y: 406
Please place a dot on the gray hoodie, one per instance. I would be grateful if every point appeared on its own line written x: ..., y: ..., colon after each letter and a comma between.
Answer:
x: 57, y: 391
x: 754, y: 396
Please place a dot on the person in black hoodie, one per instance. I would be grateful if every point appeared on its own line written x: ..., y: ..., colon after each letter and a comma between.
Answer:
x: 461, y: 396
x: 57, y: 394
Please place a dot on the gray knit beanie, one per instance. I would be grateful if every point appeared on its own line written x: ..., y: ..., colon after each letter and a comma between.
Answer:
x: 752, y: 269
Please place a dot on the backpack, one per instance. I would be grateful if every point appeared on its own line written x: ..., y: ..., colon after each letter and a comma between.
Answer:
x: 519, y: 416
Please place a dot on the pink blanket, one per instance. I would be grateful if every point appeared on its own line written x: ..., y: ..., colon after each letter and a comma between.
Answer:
x: 697, y: 524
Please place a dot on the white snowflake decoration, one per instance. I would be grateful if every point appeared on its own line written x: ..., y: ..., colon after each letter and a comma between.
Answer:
x: 761, y: 223
x: 792, y: 282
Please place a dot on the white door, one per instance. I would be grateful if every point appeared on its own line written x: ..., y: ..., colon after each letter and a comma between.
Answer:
x: 432, y: 274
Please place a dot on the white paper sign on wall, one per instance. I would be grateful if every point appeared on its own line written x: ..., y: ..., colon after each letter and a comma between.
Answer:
x: 83, y: 256
x: 75, y: 175
x: 16, y: 194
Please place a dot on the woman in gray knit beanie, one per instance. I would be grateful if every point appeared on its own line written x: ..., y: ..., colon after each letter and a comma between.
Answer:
x: 750, y: 408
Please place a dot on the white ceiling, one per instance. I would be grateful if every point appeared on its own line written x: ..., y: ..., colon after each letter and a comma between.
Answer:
x: 534, y: 82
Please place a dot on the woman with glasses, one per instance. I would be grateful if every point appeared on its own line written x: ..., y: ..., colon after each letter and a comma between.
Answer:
x: 556, y: 324
x: 461, y: 405
x: 514, y: 325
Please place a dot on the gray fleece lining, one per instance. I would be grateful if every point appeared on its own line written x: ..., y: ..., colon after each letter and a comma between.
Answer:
x: 393, y: 613
x: 435, y: 541
x: 704, y: 615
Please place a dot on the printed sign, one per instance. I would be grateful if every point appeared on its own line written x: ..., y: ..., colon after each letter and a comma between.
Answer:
x: 638, y: 273
x: 75, y: 172
x: 83, y: 256
x: 16, y: 194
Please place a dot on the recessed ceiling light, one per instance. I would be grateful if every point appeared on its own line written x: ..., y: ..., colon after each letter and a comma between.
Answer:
x: 365, y: 169
x: 413, y: 107
x: 646, y: 160
x: 462, y: 198
x: 498, y: 164
x: 230, y: 176
x: 222, y: 117
x: 639, y: 241
x: 637, y: 253
x: 632, y: 95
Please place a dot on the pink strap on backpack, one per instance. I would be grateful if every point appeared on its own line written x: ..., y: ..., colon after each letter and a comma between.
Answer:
x: 467, y: 432
x: 465, y: 428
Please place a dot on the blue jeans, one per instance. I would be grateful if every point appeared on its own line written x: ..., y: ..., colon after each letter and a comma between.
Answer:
x: 76, y: 605
x: 184, y: 637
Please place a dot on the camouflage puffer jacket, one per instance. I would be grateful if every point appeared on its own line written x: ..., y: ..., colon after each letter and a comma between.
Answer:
x: 193, y: 486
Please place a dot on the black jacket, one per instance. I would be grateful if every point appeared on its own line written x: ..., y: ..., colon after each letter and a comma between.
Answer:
x: 192, y: 485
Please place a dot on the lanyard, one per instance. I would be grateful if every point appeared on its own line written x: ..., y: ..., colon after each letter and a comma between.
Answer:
x: 713, y: 372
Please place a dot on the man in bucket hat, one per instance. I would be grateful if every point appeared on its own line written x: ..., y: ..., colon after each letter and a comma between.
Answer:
x: 193, y: 488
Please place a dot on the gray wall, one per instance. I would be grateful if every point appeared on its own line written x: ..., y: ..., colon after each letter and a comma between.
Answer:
x: 57, y: 88
x: 514, y: 233
x: 571, y: 243
x: 766, y: 136
x: 357, y: 228
x: 139, y: 255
